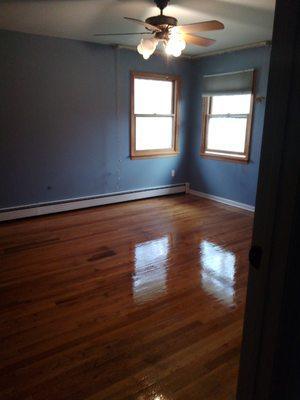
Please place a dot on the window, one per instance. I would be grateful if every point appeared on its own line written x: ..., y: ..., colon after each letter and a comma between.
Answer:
x: 226, y: 122
x: 154, y: 115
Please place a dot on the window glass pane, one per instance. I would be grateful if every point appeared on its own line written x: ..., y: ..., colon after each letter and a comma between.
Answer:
x: 153, y: 133
x: 235, y: 104
x: 153, y: 96
x: 226, y: 134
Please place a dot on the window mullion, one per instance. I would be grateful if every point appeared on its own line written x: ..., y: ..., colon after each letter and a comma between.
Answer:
x: 155, y: 115
x: 228, y: 115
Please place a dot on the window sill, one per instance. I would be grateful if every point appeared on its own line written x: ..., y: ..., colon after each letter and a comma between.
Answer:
x: 157, y: 155
x: 229, y: 158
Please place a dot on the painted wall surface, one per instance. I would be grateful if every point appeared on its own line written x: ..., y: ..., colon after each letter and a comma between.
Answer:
x: 234, y: 181
x: 64, y: 120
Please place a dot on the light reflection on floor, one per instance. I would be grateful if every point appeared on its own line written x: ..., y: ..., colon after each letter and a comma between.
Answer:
x: 217, y: 274
x: 153, y: 397
x: 150, y: 277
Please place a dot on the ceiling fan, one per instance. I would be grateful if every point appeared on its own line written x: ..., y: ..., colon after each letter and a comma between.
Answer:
x: 165, y: 29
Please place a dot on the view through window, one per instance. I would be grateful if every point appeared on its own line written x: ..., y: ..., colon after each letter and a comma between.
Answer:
x: 227, y: 126
x: 154, y: 115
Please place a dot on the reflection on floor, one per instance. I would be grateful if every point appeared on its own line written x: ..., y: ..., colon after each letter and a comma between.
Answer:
x: 217, y: 270
x: 150, y: 269
x: 141, y: 301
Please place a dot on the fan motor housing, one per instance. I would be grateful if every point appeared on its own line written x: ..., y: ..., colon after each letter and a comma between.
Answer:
x: 161, y: 4
x: 162, y: 21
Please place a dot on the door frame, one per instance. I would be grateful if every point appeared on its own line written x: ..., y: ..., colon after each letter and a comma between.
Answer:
x: 275, y: 215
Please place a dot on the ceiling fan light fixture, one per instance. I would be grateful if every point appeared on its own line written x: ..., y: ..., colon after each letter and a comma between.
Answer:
x: 147, y: 47
x: 165, y: 29
x: 175, y: 45
x: 140, y: 49
x: 146, y: 56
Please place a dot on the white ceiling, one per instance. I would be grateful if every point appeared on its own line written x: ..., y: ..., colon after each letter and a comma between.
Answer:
x: 246, y: 21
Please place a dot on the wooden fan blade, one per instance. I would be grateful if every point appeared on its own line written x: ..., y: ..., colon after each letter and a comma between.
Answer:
x: 123, y: 34
x: 200, y: 27
x: 198, y: 40
x: 145, y: 24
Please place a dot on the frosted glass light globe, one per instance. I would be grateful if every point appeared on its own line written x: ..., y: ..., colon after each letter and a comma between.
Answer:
x: 175, y: 45
x: 147, y: 44
x: 140, y: 48
x: 176, y: 53
x: 182, y: 43
x: 147, y: 47
x: 146, y: 55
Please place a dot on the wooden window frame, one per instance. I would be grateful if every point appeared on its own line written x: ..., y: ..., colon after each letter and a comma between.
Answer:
x: 138, y: 154
x: 233, y: 156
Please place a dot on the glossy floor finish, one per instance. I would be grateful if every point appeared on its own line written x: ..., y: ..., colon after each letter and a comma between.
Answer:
x: 141, y: 300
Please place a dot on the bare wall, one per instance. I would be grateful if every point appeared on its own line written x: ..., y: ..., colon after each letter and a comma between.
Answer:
x: 227, y: 179
x: 64, y: 120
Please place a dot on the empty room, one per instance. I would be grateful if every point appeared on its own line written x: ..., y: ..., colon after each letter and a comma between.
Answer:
x: 130, y: 150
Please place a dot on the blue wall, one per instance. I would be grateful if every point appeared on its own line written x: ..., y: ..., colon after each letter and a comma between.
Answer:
x: 64, y: 120
x: 235, y: 181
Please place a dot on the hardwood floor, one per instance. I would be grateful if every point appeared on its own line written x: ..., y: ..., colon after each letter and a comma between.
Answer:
x: 140, y: 300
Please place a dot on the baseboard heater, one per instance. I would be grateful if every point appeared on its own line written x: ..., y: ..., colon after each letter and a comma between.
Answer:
x: 37, y: 209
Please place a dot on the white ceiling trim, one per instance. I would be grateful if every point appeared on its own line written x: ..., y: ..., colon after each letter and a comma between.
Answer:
x: 232, y: 49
